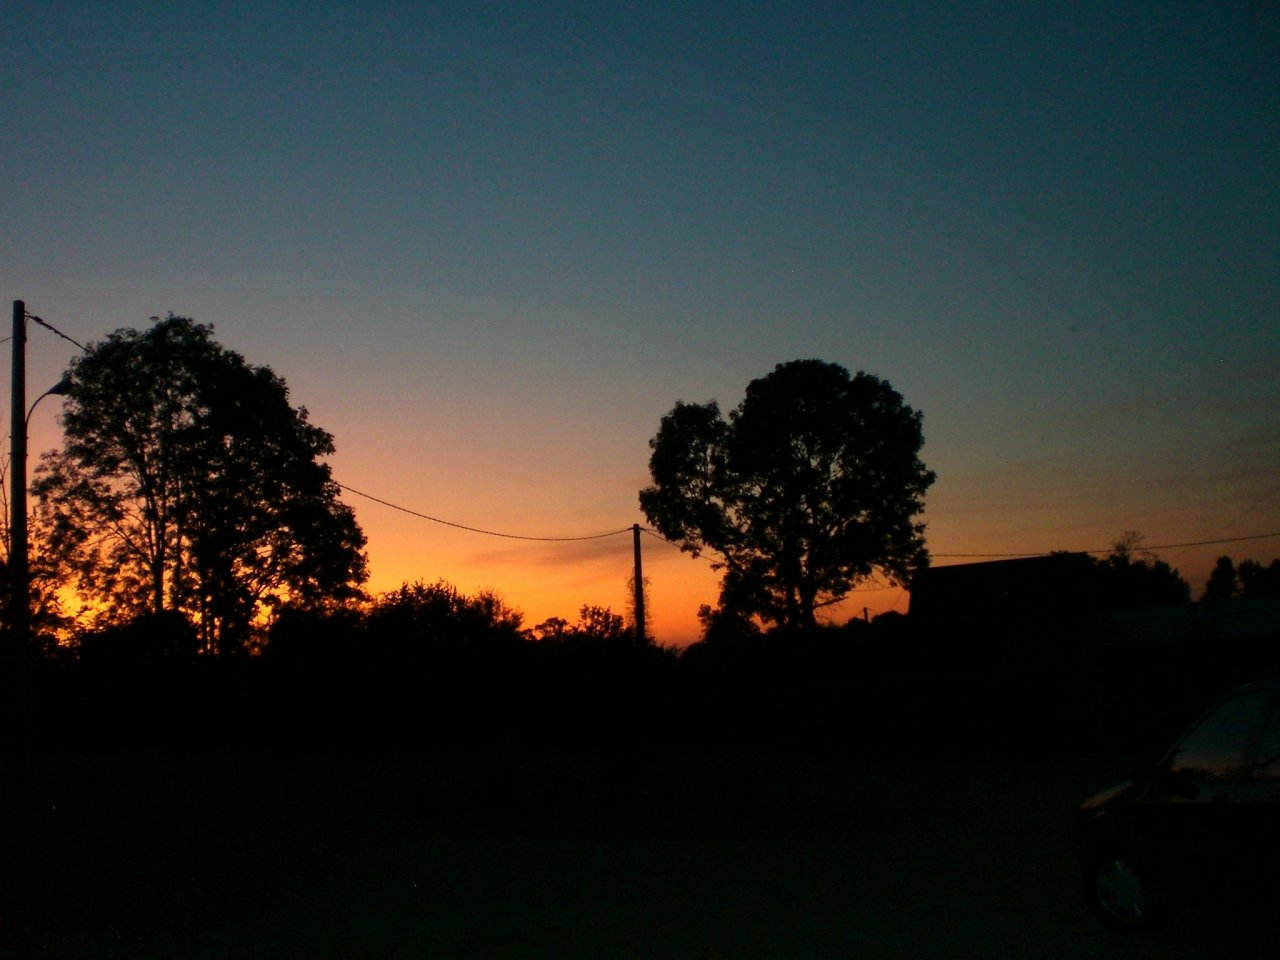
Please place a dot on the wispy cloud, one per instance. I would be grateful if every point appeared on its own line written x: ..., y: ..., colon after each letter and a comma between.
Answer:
x: 557, y: 554
x: 1221, y: 392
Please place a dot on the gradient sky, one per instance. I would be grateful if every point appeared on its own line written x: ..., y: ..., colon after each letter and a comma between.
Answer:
x: 489, y: 245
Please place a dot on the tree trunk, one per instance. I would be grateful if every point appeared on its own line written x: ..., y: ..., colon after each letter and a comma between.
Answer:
x: 157, y: 578
x: 808, y: 608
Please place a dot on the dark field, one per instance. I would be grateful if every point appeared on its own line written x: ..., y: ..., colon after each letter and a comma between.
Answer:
x: 525, y: 854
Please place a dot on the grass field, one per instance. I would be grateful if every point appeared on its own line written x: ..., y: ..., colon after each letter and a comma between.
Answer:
x: 519, y: 854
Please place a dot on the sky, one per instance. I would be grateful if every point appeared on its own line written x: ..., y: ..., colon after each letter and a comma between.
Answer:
x: 489, y: 245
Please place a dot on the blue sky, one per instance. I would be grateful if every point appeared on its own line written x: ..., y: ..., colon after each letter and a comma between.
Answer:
x: 489, y: 245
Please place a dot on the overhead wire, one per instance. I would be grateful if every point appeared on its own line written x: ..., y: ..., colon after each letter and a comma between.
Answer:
x: 387, y: 503
x: 480, y: 530
x: 1044, y: 553
x: 52, y: 329
x: 653, y: 533
x: 1108, y: 550
x: 1251, y: 507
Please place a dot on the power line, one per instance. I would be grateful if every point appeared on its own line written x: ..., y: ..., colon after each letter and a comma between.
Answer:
x: 700, y: 555
x: 1204, y: 543
x: 600, y: 536
x: 51, y: 328
x: 1253, y: 506
x: 1045, y: 553
x: 657, y: 536
x: 487, y: 533
x: 1005, y: 556
x: 386, y: 503
x: 1144, y: 548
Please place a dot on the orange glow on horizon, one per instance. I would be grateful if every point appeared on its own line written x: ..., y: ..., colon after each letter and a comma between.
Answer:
x: 549, y: 579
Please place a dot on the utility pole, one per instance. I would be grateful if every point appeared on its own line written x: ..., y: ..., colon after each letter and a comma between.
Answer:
x: 639, y: 587
x: 20, y: 612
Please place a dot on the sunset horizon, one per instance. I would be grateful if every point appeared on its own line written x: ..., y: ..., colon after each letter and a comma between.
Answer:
x: 488, y: 248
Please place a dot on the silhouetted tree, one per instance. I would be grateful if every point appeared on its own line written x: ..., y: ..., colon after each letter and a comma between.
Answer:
x: 49, y: 620
x: 596, y: 626
x: 552, y: 630
x: 425, y: 615
x: 722, y: 625
x: 147, y: 639
x: 187, y: 482
x: 601, y: 625
x: 810, y: 485
x: 1222, y: 583
x: 1130, y: 581
x: 631, y: 606
x: 1259, y: 581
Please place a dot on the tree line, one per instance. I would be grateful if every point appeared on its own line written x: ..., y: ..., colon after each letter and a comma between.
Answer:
x: 187, y: 484
x: 191, y: 552
x: 1247, y: 580
x: 189, y: 489
x: 188, y: 532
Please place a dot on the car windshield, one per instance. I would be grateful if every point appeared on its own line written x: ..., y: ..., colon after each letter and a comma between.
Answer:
x: 1216, y: 747
x: 1268, y: 761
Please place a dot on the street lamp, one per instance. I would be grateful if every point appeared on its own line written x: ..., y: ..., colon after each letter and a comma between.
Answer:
x: 19, y: 562
x: 59, y: 389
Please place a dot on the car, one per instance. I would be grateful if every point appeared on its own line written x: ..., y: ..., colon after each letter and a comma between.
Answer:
x: 1200, y: 828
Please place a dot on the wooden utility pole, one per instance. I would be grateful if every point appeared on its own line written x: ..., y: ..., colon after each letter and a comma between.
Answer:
x: 20, y: 612
x: 639, y: 588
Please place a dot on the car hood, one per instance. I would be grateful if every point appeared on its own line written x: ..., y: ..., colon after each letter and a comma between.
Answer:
x: 1105, y: 798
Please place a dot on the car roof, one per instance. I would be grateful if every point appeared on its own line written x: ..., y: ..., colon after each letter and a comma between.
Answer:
x: 1270, y: 682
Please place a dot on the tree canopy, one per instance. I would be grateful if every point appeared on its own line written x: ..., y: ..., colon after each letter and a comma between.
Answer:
x: 1223, y: 583
x: 1250, y: 579
x: 597, y: 626
x: 809, y: 486
x: 1130, y: 580
x: 187, y: 482
x: 438, y: 614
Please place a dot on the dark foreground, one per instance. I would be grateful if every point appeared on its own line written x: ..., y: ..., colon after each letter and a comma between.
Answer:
x: 528, y: 854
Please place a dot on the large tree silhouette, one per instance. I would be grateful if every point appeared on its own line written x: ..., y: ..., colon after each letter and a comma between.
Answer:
x: 809, y: 486
x: 186, y: 481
